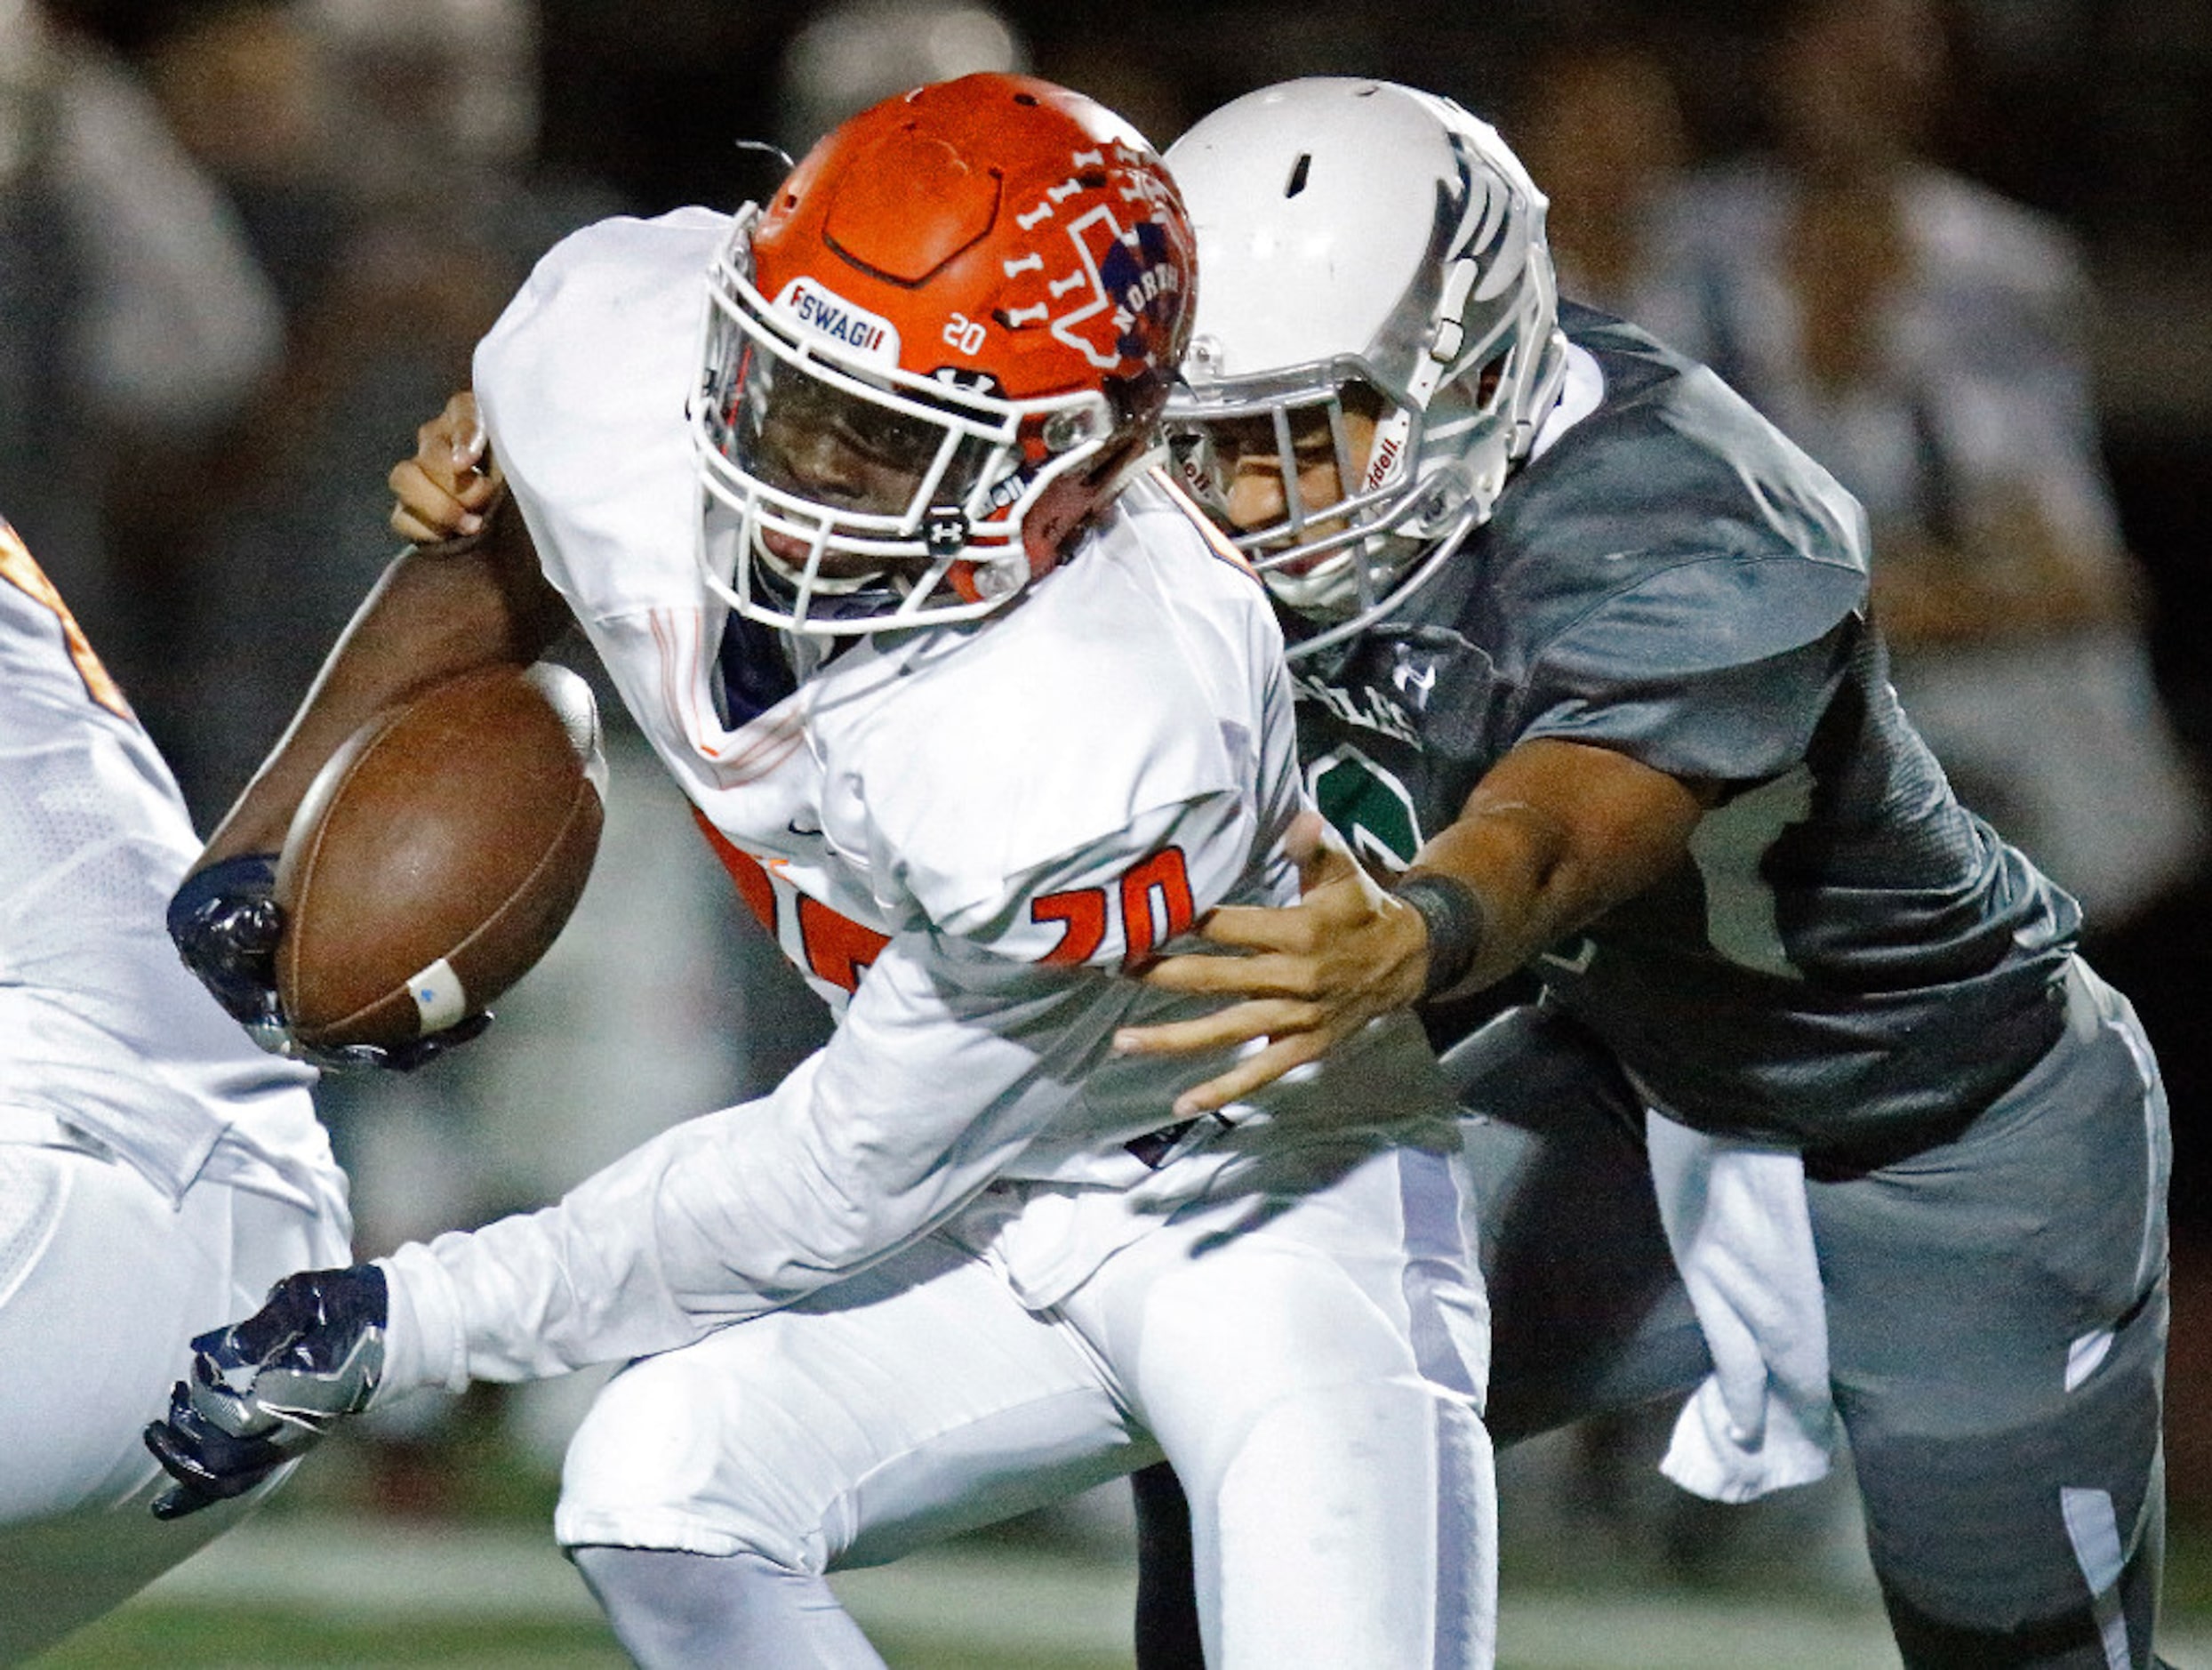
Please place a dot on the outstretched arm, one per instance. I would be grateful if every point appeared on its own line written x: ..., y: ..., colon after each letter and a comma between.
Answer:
x: 1555, y: 834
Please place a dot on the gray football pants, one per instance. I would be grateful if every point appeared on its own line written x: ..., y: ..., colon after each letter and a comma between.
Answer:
x: 1996, y: 1313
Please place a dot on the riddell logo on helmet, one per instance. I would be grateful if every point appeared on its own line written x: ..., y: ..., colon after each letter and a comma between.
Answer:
x: 819, y: 312
x: 1385, y: 461
x: 1390, y: 449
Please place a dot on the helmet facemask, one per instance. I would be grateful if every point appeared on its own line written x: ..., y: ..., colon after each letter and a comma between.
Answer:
x: 860, y: 496
x: 1288, y: 470
x: 1332, y: 287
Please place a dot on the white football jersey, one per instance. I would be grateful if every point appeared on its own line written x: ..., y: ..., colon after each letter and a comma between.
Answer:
x: 101, y: 1026
x: 987, y: 822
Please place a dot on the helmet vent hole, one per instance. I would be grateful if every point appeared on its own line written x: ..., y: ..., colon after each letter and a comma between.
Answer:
x: 1025, y: 98
x: 1298, y: 174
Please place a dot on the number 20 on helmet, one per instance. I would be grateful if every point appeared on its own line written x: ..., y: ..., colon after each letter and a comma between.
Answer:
x: 933, y: 354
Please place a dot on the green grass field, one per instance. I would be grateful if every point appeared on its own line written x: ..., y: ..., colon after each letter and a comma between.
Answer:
x: 325, y: 1591
x: 319, y: 1581
x: 203, y: 1638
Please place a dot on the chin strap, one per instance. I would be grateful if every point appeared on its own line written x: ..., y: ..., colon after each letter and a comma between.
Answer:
x: 1425, y: 571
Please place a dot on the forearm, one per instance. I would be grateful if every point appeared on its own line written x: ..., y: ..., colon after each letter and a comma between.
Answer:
x: 1527, y: 888
x: 722, y: 1219
x: 539, y: 1294
x: 869, y: 1144
x: 1555, y: 837
x: 429, y: 618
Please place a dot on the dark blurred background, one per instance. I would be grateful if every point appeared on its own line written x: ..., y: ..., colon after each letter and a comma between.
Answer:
x: 210, y: 494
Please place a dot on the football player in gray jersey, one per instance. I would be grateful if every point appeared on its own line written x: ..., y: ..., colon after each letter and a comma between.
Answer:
x: 1819, y: 1117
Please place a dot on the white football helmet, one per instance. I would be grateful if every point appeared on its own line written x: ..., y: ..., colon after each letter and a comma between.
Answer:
x: 1364, y: 248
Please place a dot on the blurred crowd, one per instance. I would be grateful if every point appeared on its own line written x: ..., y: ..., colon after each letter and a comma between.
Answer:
x: 1956, y: 250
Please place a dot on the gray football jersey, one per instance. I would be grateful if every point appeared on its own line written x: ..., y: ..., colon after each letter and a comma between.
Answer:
x: 1850, y: 958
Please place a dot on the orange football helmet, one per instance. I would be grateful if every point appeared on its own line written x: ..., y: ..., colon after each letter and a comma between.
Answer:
x: 930, y: 356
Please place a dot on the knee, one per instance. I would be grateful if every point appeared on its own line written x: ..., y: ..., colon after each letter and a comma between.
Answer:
x: 672, y: 1610
x: 653, y: 1466
x: 2029, y: 1546
x: 1340, y: 1461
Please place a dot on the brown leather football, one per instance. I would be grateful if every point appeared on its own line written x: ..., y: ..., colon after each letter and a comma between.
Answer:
x: 437, y: 855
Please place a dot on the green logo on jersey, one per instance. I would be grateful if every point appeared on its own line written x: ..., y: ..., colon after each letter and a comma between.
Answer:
x: 1368, y: 805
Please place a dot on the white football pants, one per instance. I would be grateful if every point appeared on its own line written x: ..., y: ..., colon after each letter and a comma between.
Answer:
x: 103, y: 1283
x: 1312, y: 1367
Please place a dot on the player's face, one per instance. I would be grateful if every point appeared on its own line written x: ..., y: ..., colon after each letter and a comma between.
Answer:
x: 823, y: 445
x: 1254, y: 488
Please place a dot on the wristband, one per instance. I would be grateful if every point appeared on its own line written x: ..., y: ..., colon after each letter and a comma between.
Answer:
x: 1453, y: 913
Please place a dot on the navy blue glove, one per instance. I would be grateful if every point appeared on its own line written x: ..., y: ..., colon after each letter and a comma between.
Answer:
x: 266, y: 1390
x: 225, y: 922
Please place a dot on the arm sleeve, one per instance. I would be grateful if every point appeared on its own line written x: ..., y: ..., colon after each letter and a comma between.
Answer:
x: 952, y: 1056
x: 924, y: 1093
x: 1714, y: 670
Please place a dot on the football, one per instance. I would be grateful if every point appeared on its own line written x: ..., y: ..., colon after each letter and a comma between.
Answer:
x: 437, y: 855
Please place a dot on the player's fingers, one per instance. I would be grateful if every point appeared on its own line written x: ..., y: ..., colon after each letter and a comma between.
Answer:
x: 427, y: 511
x: 1259, y: 928
x: 478, y: 491
x: 1331, y: 861
x: 177, y: 1501
x: 456, y: 433
x: 468, y: 444
x: 1239, y: 1024
x: 418, y: 531
x: 1265, y: 976
x: 203, y: 1481
x: 1255, y: 1072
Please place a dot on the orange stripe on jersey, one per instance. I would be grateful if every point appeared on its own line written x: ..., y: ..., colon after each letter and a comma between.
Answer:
x: 761, y: 746
x: 838, y: 948
x: 750, y: 875
x: 21, y: 570
x: 1217, y: 541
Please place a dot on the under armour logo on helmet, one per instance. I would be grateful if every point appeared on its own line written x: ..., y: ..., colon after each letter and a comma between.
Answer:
x: 945, y: 530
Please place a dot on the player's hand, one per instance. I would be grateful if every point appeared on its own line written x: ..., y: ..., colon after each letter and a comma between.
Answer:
x: 266, y: 1390
x: 451, y: 489
x: 225, y: 922
x: 403, y: 1057
x: 1315, y: 973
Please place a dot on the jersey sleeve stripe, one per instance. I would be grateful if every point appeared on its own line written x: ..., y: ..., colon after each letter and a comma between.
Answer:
x: 1217, y: 541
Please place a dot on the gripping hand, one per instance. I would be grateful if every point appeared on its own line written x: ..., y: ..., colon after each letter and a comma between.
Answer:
x: 225, y: 922
x: 266, y: 1390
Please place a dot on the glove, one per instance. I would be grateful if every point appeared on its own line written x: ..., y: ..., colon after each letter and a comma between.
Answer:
x: 266, y: 1390
x: 225, y: 922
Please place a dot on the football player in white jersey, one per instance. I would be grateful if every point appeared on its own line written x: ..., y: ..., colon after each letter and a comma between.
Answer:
x: 853, y: 496
x: 156, y: 1170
